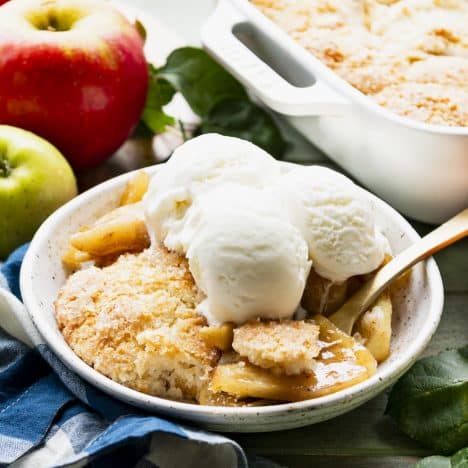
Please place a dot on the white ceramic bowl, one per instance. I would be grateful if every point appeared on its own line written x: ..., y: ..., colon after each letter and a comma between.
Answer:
x: 417, y: 315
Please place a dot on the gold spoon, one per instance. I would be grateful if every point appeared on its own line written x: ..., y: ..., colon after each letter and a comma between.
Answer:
x: 448, y: 233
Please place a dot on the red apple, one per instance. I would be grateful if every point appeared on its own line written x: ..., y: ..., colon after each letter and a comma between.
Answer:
x: 72, y: 71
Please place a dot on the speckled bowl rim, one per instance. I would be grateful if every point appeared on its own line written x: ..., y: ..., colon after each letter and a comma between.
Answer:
x: 371, y: 386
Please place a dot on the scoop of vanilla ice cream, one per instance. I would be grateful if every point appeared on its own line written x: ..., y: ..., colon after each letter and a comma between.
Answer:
x: 245, y: 255
x: 336, y: 219
x: 195, y: 167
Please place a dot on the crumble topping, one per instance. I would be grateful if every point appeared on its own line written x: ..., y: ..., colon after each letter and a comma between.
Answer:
x: 387, y: 49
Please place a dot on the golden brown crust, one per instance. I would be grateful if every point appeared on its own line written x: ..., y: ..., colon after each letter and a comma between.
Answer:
x: 135, y: 321
x: 284, y: 347
x: 386, y: 48
x: 433, y: 103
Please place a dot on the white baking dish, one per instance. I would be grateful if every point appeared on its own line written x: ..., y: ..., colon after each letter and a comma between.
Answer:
x: 421, y: 169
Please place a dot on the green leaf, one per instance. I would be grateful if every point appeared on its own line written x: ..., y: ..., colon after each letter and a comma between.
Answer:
x: 165, y: 90
x: 459, y: 460
x: 202, y: 81
x: 437, y: 461
x: 244, y: 119
x: 430, y: 402
x: 156, y: 120
x: 215, y: 95
x: 160, y: 92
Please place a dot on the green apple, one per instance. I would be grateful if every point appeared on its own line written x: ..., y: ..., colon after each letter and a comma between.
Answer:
x: 35, y: 179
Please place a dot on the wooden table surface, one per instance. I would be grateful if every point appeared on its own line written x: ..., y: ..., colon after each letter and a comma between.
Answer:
x: 364, y: 437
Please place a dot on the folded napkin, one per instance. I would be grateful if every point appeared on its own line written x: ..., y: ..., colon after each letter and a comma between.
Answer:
x: 51, y: 417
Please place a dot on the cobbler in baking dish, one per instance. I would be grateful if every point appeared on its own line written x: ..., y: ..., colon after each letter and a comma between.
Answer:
x: 212, y: 282
x: 410, y: 56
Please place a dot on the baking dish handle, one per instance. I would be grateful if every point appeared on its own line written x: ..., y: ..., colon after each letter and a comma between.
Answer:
x: 219, y: 40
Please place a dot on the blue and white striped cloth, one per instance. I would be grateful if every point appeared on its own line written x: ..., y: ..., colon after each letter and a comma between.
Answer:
x: 50, y: 417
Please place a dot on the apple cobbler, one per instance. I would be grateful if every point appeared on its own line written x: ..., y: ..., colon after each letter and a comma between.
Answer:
x: 409, y: 56
x: 129, y: 310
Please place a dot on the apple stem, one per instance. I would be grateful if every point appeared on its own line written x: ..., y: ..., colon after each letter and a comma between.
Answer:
x: 5, y: 168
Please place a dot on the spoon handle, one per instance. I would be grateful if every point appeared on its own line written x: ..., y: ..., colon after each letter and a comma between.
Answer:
x: 451, y: 231
x: 448, y: 233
